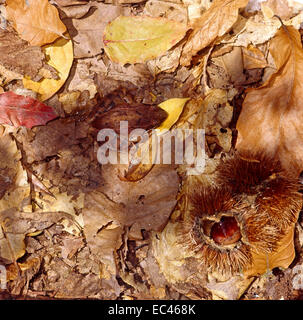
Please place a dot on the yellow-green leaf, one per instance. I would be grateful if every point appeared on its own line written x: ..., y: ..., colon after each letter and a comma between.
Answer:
x: 174, y: 108
x: 60, y: 55
x: 140, y: 38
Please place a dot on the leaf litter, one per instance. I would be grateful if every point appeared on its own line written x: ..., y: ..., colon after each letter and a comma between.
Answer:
x: 73, y: 228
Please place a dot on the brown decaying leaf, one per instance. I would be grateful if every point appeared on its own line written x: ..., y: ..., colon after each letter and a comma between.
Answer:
x: 282, y: 258
x: 18, y: 56
x: 271, y: 115
x: 37, y: 22
x: 215, y: 22
x: 145, y: 205
x: 87, y: 32
x: 138, y: 116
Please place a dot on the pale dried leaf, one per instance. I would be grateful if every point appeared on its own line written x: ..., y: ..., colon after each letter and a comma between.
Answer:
x: 215, y: 22
x: 275, y: 126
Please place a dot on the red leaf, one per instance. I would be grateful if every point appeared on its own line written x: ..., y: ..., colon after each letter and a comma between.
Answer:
x: 17, y: 110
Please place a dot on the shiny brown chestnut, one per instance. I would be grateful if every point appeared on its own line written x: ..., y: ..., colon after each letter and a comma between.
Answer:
x: 226, y: 231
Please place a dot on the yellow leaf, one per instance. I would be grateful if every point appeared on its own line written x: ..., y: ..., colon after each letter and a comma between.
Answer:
x: 60, y: 55
x: 174, y: 108
x: 141, y: 38
x: 215, y: 22
x: 35, y: 21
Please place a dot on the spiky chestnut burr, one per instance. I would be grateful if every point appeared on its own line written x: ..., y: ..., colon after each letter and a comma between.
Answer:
x: 223, y: 228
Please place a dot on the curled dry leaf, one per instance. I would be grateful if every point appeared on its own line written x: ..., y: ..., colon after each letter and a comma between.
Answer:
x: 174, y: 108
x: 37, y: 22
x: 60, y: 56
x: 271, y: 115
x: 17, y: 110
x: 140, y: 38
x: 214, y: 23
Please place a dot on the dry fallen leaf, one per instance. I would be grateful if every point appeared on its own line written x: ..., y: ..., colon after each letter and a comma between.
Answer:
x: 87, y: 32
x: 60, y: 57
x: 282, y: 258
x: 270, y: 119
x: 280, y: 8
x: 17, y: 110
x: 37, y: 22
x: 15, y: 188
x: 140, y: 38
x: 18, y: 56
x: 138, y: 116
x: 142, y: 205
x: 215, y: 22
x: 253, y: 58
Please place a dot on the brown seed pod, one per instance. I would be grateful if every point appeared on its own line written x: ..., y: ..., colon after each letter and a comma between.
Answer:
x: 226, y: 228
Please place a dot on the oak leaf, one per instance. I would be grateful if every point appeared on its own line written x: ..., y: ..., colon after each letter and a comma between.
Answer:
x: 271, y: 115
x: 37, y: 22
x: 17, y: 110
x: 140, y: 38
x: 214, y: 23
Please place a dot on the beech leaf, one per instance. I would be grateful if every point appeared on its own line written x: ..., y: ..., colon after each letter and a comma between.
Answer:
x: 271, y: 116
x: 215, y: 22
x: 17, y: 110
x: 140, y: 38
x: 37, y: 22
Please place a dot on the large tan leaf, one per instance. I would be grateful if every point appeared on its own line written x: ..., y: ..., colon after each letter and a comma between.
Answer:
x: 271, y: 116
x: 141, y: 38
x: 281, y: 258
x: 215, y: 22
x: 37, y: 22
